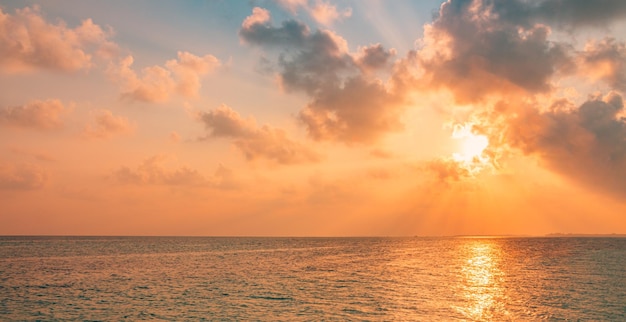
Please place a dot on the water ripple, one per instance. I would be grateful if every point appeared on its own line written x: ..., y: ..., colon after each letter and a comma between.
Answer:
x: 303, y: 279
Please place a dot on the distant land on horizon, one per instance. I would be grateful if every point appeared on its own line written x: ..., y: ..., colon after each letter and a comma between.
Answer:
x: 585, y: 235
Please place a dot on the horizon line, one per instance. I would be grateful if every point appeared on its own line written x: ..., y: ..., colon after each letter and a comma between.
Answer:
x: 619, y: 235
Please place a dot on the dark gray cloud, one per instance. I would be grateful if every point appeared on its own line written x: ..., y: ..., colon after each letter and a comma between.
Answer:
x: 474, y: 51
x: 477, y: 48
x: 564, y: 14
x: 309, y: 61
x: 357, y: 112
x: 587, y: 143
x: 568, y: 13
x: 346, y: 104
x: 262, y: 33
x: 374, y: 57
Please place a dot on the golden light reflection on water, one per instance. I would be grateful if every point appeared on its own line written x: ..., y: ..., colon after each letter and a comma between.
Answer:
x: 482, y: 280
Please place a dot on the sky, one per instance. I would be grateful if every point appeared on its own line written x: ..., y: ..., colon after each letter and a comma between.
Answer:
x: 312, y: 117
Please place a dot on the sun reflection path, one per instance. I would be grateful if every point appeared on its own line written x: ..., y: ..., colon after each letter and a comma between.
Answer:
x: 482, y: 281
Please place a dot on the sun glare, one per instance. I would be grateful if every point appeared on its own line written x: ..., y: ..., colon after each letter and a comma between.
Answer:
x: 471, y: 145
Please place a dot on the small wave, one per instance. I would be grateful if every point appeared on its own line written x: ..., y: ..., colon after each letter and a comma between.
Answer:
x: 271, y: 298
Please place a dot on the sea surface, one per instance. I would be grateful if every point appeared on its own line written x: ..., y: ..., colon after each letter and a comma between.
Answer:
x: 312, y: 279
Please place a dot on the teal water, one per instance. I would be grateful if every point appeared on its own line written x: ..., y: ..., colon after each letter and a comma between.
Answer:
x: 312, y: 279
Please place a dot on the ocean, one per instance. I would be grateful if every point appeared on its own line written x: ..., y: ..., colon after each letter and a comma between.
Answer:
x: 312, y: 279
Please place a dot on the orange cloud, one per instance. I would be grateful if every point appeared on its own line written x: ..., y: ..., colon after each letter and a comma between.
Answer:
x: 156, y: 84
x: 447, y: 170
x: 326, y: 13
x: 155, y: 171
x: 188, y: 69
x: 106, y: 125
x: 41, y: 115
x: 605, y: 60
x: 28, y: 42
x: 258, y: 16
x: 253, y: 141
x: 21, y: 176
x: 292, y: 5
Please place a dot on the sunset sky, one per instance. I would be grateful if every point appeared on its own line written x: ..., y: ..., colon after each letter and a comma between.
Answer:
x: 312, y: 117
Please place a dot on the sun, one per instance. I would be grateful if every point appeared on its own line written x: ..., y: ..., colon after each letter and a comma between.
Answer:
x: 471, y: 145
